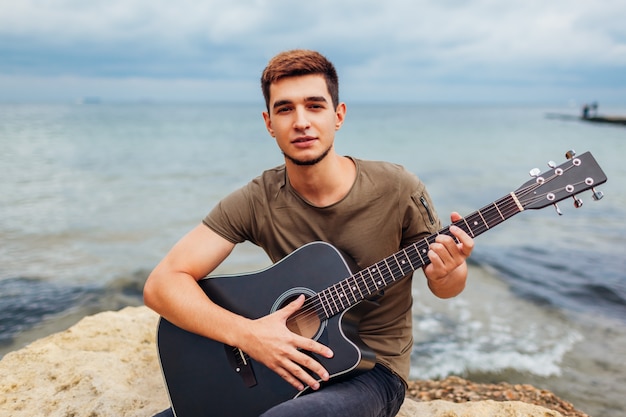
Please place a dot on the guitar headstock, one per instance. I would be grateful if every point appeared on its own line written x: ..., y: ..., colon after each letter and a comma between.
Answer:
x: 579, y: 173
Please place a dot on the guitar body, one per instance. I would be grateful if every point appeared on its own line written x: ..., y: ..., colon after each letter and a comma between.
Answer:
x: 205, y: 377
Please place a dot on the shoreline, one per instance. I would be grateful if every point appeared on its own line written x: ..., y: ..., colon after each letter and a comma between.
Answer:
x: 107, y: 365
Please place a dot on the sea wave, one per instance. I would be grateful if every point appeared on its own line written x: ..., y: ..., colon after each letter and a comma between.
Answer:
x: 572, y: 280
x: 27, y: 303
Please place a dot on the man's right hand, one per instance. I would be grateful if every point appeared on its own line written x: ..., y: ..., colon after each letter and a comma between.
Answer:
x: 269, y: 341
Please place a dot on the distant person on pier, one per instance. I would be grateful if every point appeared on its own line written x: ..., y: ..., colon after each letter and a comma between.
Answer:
x: 585, y: 111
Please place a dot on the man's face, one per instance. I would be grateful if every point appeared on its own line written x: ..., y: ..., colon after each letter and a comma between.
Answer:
x: 302, y: 119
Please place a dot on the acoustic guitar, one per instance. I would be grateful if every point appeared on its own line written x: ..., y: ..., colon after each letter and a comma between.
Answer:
x: 208, y: 378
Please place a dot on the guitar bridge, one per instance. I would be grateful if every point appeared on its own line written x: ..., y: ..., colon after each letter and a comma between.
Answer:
x: 241, y: 364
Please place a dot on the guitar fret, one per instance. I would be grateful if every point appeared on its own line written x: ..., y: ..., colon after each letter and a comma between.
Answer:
x: 343, y: 295
x: 334, y: 298
x: 469, y: 229
x: 411, y: 262
x: 372, y: 278
x: 364, y: 285
x: 481, y: 216
x: 328, y: 308
x: 401, y: 261
x: 418, y: 254
x: 322, y: 303
x: 352, y: 289
x: 395, y: 258
x: 388, y: 268
x: 396, y: 263
x: 345, y: 291
x: 334, y: 295
x: 425, y: 249
x: 499, y: 212
x: 377, y: 270
x: 511, y: 205
x: 421, y: 252
x: 408, y: 259
x: 329, y: 302
x: 477, y: 224
x: 356, y: 285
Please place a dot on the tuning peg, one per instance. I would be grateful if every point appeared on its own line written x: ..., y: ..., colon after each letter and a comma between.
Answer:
x: 552, y: 164
x: 597, y: 195
x: 570, y: 154
x: 578, y: 203
x: 534, y: 172
x: 558, y: 210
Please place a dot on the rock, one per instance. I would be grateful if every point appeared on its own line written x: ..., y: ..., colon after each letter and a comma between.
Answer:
x: 106, y: 366
x: 486, y: 408
x: 459, y: 390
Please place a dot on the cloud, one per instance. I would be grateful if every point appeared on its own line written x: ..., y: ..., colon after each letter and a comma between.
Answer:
x: 452, y: 45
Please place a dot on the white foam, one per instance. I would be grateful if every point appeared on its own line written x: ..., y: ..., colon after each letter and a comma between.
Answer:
x: 486, y: 329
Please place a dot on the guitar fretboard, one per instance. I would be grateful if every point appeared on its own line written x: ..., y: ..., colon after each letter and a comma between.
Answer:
x: 382, y: 274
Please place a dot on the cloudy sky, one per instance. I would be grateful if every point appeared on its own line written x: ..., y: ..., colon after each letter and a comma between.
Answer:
x: 555, y: 51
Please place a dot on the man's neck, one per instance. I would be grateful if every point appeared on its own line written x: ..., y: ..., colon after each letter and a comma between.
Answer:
x: 324, y: 183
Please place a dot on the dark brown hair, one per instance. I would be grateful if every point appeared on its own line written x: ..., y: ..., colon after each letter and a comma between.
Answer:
x: 300, y: 62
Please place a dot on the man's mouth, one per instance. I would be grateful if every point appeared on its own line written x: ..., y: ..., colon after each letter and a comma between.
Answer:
x: 303, y: 139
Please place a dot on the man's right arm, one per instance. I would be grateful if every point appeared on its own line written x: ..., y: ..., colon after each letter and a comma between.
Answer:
x: 172, y: 291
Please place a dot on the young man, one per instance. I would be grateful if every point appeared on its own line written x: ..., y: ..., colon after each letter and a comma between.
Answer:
x: 369, y: 210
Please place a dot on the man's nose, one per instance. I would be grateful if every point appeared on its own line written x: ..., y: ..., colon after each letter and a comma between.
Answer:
x: 302, y: 121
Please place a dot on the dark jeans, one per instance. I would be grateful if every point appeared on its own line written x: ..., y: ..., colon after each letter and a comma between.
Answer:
x: 376, y: 393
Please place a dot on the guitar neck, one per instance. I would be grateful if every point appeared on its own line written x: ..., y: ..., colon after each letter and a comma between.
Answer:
x: 377, y: 277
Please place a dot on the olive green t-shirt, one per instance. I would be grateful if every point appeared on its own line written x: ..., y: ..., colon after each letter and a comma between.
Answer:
x: 386, y: 209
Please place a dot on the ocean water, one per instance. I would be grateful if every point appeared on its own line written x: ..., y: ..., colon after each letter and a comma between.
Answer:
x: 92, y: 196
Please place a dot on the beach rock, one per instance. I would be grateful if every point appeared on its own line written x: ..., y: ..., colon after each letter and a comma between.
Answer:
x: 486, y: 408
x: 106, y: 365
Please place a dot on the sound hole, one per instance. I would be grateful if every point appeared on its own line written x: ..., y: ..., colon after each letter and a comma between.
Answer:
x: 304, y: 322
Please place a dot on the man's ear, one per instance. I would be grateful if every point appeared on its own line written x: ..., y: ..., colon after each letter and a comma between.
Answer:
x: 340, y: 115
x: 268, y: 123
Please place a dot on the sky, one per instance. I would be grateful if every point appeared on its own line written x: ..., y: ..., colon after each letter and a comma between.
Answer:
x: 422, y: 51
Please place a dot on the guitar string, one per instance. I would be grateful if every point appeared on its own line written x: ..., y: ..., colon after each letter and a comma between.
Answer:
x: 338, y: 293
x: 490, y: 213
x: 312, y: 310
x: 370, y: 283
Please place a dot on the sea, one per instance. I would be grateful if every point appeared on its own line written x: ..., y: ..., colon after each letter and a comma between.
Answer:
x: 92, y: 196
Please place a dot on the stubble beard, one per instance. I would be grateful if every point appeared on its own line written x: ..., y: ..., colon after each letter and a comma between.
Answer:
x: 308, y: 162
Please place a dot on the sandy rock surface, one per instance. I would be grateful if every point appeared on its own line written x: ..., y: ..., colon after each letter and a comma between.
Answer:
x: 459, y: 390
x: 487, y: 408
x: 106, y: 366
